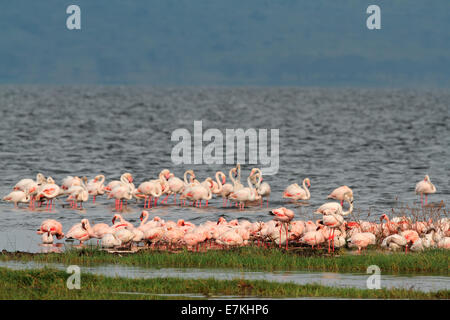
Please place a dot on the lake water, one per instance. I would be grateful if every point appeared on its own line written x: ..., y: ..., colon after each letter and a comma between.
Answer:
x: 380, y: 142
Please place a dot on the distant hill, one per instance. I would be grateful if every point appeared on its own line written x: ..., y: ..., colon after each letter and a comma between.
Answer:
x: 226, y: 42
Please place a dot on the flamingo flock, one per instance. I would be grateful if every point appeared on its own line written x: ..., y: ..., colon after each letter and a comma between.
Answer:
x: 331, y: 230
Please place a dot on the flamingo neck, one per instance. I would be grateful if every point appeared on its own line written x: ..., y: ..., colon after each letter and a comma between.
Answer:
x: 308, y: 194
x: 350, y: 209
x: 219, y: 182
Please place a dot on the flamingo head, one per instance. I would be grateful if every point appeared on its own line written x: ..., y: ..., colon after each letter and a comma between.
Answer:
x: 427, y: 178
x: 384, y: 217
x: 224, y: 178
x: 128, y: 176
x: 144, y: 213
x: 181, y: 223
x: 308, y: 182
x: 166, y: 173
x: 221, y: 220
x: 114, y: 218
x: 84, y: 222
x: 59, y: 236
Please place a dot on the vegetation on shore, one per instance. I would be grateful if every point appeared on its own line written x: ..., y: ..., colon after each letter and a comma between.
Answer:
x: 253, y: 259
x: 51, y: 284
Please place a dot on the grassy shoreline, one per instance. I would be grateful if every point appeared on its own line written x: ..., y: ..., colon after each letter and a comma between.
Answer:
x: 252, y: 259
x: 51, y: 284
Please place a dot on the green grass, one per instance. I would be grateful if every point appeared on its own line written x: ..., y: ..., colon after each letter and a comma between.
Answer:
x: 51, y: 284
x: 254, y: 259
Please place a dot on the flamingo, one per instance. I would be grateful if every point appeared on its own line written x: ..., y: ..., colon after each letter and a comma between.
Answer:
x: 97, y: 231
x: 227, y: 188
x: 199, y: 193
x: 22, y: 184
x: 125, y: 235
x: 164, y: 175
x: 244, y: 194
x: 333, y: 221
x: 147, y: 190
x: 315, y: 237
x: 123, y: 191
x: 394, y: 242
x: 77, y: 232
x: 31, y: 186
x: 425, y: 187
x: 110, y: 241
x: 52, y: 226
x: 18, y: 196
x: 78, y: 193
x: 284, y: 216
x: 361, y: 240
x: 96, y: 186
x: 263, y: 188
x: 126, y: 178
x: 336, y: 207
x: 217, y: 187
x: 188, y: 185
x: 295, y: 192
x: 390, y: 227
x: 339, y: 194
x: 122, y: 223
x: 70, y: 181
x: 176, y: 186
x: 49, y: 191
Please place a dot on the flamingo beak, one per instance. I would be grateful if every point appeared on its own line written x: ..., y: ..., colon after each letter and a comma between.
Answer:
x: 113, y: 220
x: 130, y: 179
x: 223, y: 180
x: 167, y: 175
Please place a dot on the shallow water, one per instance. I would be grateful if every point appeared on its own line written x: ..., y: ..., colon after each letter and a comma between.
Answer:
x: 379, y: 142
x: 341, y: 280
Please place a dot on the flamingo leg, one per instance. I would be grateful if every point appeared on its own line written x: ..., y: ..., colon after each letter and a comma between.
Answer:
x: 426, y: 199
x: 279, y: 242
x: 175, y: 198
x: 94, y: 200
x: 206, y: 202
x: 287, y: 234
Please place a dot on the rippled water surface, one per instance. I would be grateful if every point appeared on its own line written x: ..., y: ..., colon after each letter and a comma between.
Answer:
x: 378, y: 142
x: 341, y: 280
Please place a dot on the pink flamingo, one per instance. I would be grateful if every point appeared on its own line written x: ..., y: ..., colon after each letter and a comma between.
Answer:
x: 48, y: 191
x: 18, y: 197
x: 362, y: 240
x: 77, y: 232
x: 314, y: 238
x: 96, y: 186
x: 52, y: 226
x: 295, y: 192
x: 243, y: 195
x: 339, y: 194
x: 97, y: 230
x: 262, y: 188
x: 425, y: 187
x: 284, y: 216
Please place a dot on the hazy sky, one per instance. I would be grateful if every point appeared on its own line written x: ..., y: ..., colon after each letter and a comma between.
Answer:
x: 226, y: 42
